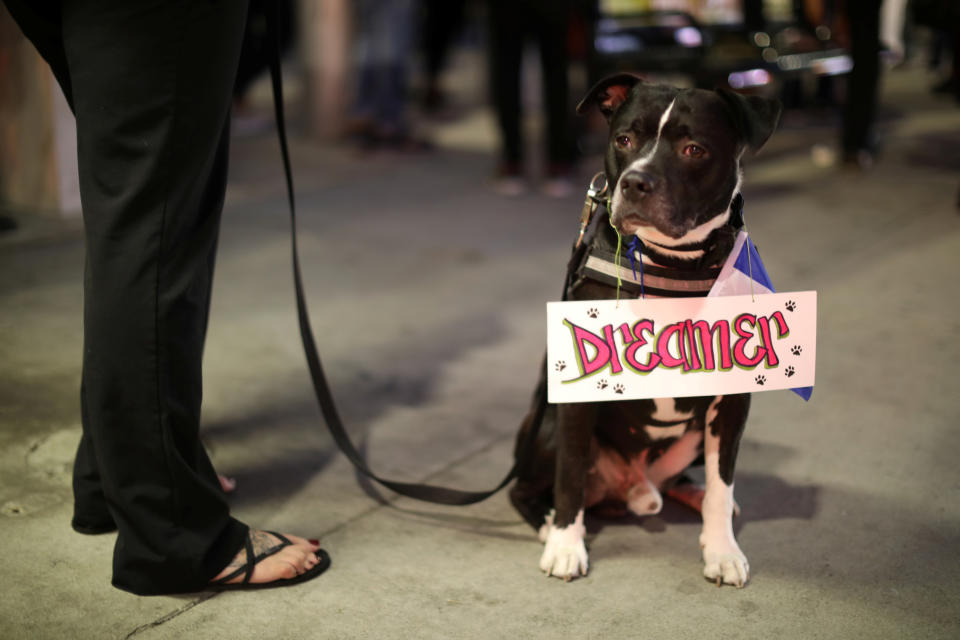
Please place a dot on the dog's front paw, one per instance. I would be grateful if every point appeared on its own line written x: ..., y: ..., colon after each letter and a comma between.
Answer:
x: 724, y: 563
x: 564, y: 559
x: 565, y: 554
x: 547, y: 526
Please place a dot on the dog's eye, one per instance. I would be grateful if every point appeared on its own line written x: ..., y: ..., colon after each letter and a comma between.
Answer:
x: 694, y: 151
x: 623, y: 142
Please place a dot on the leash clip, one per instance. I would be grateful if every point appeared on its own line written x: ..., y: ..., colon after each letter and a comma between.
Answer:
x: 590, y: 203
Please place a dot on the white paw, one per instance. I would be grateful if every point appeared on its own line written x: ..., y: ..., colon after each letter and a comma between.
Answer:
x: 565, y: 554
x: 724, y: 563
x: 546, y: 526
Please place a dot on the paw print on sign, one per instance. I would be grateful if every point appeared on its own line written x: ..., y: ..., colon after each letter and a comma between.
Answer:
x: 560, y: 366
x: 618, y: 388
x: 796, y: 350
x: 790, y: 305
x: 601, y: 384
x: 789, y: 371
x: 592, y: 312
x: 760, y: 380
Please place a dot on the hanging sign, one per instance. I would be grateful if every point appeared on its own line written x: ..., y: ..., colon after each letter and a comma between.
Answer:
x: 601, y: 350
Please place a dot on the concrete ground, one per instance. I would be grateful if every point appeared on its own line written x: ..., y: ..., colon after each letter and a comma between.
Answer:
x: 427, y: 292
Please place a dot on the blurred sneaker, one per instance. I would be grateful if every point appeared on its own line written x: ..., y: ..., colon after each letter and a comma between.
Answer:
x: 558, y: 183
x: 509, y: 181
x: 404, y: 142
x: 861, y: 159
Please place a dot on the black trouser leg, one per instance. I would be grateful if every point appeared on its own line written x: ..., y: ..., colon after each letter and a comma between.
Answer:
x: 91, y: 513
x: 41, y: 23
x: 551, y: 26
x: 441, y: 24
x: 506, y: 36
x: 151, y: 85
x: 860, y: 109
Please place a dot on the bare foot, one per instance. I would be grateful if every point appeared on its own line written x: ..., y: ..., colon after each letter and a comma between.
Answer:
x: 227, y: 483
x: 288, y: 562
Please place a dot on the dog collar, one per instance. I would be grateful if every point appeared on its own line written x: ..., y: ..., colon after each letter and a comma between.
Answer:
x: 658, y: 282
x: 662, y: 276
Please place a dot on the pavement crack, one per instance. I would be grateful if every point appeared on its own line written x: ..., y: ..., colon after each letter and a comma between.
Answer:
x: 169, y: 616
x: 36, y: 445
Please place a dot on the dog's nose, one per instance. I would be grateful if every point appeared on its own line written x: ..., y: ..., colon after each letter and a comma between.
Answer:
x: 636, y: 184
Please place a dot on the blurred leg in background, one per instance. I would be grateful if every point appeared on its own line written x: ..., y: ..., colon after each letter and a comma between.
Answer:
x: 254, y: 61
x: 384, y: 41
x: 442, y: 22
x: 859, y: 138
x: 512, y: 24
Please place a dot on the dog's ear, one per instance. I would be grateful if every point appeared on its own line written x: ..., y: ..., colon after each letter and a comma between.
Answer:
x: 755, y: 117
x: 608, y: 94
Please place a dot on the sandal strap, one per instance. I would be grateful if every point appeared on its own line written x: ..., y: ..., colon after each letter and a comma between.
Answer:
x: 284, y: 539
x: 248, y: 548
x: 252, y: 560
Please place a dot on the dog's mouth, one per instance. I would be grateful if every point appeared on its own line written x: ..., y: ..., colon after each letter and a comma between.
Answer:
x: 630, y: 223
x: 644, y: 224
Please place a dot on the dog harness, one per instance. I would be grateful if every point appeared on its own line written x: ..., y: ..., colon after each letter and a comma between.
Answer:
x: 653, y: 279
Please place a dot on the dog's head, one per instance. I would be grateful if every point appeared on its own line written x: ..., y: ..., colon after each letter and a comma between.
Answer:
x: 673, y: 157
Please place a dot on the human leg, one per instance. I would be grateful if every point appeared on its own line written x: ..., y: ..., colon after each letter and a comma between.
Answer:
x: 505, y: 46
x: 860, y: 107
x: 442, y: 21
x: 552, y: 21
x: 41, y: 24
x: 91, y: 512
x: 150, y: 85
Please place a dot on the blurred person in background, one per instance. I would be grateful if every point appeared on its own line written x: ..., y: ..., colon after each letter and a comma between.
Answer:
x: 875, y: 26
x: 255, y: 58
x: 384, y: 40
x: 872, y: 31
x: 943, y: 18
x: 511, y: 24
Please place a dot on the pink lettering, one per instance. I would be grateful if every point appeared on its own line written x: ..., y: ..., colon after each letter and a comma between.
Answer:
x: 630, y: 354
x: 695, y: 345
x: 667, y: 359
x: 740, y: 346
x: 604, y: 349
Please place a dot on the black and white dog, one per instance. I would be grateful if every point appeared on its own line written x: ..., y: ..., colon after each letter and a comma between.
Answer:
x: 673, y: 166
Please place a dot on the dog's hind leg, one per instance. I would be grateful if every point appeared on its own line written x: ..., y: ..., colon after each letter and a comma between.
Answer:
x: 646, y: 499
x: 564, y: 553
x: 724, y: 562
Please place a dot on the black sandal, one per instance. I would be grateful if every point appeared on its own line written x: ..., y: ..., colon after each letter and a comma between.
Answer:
x: 221, y: 584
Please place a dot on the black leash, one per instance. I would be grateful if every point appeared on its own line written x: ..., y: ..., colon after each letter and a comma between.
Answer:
x: 427, y: 493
